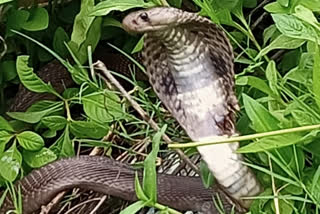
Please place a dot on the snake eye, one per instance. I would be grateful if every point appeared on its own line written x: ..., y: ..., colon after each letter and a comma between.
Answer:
x: 144, y: 16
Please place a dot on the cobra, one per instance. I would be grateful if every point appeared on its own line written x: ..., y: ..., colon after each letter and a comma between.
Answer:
x: 189, y: 61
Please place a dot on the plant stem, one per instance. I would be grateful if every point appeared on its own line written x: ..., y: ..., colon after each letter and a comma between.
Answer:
x: 222, y: 139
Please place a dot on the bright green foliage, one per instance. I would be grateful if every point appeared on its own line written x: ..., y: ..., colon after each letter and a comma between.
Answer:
x: 277, y: 60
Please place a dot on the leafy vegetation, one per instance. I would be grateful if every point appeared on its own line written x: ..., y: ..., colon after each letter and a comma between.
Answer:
x: 277, y: 58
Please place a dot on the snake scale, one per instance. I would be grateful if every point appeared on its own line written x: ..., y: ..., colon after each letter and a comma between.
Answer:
x: 189, y: 61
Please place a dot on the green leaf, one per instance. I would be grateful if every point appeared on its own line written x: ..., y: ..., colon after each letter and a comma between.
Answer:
x: 262, y: 120
x: 133, y: 208
x: 54, y: 122
x: 271, y: 74
x: 9, y: 70
x: 138, y: 188
x: 83, y: 129
x: 275, y: 7
x: 39, y: 158
x: 59, y: 39
x: 313, y: 5
x: 228, y: 4
x: 105, y: 7
x: 273, y: 142
x: 306, y: 15
x: 316, y: 76
x: 5, y: 1
x: 206, y: 175
x: 37, y: 111
x: 281, y: 42
x: 30, y: 140
x: 284, y: 3
x: 175, y: 3
x: 86, y: 31
x: 293, y: 27
x: 5, y: 137
x: 15, y: 20
x: 63, y: 146
x: 254, y: 82
x: 10, y: 163
x: 103, y: 107
x: 150, y: 173
x: 4, y: 125
x: 38, y: 20
x: 29, y: 79
x: 138, y: 46
x: 249, y: 3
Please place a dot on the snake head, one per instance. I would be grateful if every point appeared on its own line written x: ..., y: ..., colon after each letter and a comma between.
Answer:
x: 153, y: 19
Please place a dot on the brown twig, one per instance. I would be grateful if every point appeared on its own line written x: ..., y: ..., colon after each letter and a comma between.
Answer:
x: 108, y: 76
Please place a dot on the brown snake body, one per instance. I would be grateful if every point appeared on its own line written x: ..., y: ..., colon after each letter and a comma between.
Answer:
x: 104, y: 175
x: 190, y: 65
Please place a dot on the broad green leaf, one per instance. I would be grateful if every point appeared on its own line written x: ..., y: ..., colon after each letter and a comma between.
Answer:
x: 16, y: 20
x: 254, y: 82
x: 59, y: 39
x: 316, y: 76
x: 5, y: 1
x: 281, y: 42
x: 275, y: 7
x: 5, y: 137
x: 86, y: 31
x: 268, y: 33
x: 105, y: 7
x: 109, y: 21
x: 285, y: 207
x: 88, y: 36
x: 284, y: 3
x: 273, y: 142
x: 249, y: 3
x: 63, y: 146
x: 293, y: 27
x: 150, y: 173
x: 262, y: 120
x: 38, y: 19
x: 228, y: 4
x: 38, y: 158
x: 133, y: 208
x: 10, y: 163
x: 303, y: 118
x: 29, y: 79
x: 83, y: 129
x: 306, y: 15
x: 103, y: 107
x: 36, y: 111
x: 30, y: 140
x: 54, y: 122
x: 175, y: 3
x: 4, y: 125
x: 8, y: 69
x: 313, y: 5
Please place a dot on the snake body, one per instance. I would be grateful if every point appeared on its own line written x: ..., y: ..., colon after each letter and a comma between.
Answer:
x: 105, y: 175
x: 190, y: 65
x: 189, y: 61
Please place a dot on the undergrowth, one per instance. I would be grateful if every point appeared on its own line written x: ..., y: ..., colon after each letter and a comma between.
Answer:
x: 277, y: 65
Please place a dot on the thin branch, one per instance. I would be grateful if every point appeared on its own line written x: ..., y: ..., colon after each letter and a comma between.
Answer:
x: 107, y: 75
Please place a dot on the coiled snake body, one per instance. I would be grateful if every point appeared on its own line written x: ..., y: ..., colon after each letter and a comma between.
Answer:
x: 190, y: 65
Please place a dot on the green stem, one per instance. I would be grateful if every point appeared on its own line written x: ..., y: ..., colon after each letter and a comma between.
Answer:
x: 245, y: 137
x: 162, y: 207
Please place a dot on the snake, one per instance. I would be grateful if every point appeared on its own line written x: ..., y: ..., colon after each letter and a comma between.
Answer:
x: 189, y: 62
